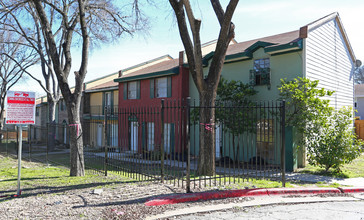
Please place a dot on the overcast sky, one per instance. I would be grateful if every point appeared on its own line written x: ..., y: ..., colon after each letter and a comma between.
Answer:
x: 253, y: 19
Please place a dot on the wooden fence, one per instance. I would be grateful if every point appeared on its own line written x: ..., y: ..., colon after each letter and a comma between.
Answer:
x: 359, y: 128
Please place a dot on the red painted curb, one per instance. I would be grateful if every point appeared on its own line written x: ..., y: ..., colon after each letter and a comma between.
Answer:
x: 290, y: 191
x: 351, y: 189
x: 247, y: 192
x: 205, y: 196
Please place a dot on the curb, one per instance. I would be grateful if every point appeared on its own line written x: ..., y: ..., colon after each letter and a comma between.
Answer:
x: 190, y: 197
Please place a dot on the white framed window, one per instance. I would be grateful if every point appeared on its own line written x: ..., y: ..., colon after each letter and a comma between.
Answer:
x: 132, y: 90
x: 107, y: 99
x: 161, y: 86
x: 260, y: 74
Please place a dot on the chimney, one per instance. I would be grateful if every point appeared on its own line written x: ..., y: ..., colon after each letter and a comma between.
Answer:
x: 181, y: 58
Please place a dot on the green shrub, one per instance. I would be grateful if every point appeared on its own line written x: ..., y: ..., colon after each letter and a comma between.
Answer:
x: 333, y: 142
x: 327, y: 134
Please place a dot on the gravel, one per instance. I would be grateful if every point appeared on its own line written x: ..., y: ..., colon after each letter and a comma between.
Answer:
x: 120, y: 201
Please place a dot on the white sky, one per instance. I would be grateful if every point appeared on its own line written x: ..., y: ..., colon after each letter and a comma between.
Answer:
x: 253, y: 19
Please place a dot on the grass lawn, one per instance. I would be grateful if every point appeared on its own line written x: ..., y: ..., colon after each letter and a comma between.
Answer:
x: 36, y: 175
x: 352, y: 170
x: 39, y: 178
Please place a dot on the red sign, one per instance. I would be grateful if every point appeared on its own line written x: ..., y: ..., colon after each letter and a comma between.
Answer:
x: 20, y: 107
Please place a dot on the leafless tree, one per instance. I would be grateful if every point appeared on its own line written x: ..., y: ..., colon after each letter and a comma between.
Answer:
x: 206, y: 86
x: 359, y: 75
x: 14, y: 59
x: 65, y: 24
x: 34, y: 39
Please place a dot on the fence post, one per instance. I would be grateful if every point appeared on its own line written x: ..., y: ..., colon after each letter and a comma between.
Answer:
x: 283, y: 152
x: 7, y: 140
x: 105, y: 140
x: 47, y: 138
x: 162, y: 140
x: 188, y: 171
x: 30, y: 142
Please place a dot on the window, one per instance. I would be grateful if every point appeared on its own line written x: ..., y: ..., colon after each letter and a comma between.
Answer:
x: 107, y: 100
x: 37, y: 111
x: 260, y: 75
x: 132, y: 90
x: 161, y: 87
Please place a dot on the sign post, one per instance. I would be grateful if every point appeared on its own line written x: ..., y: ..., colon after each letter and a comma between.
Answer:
x: 20, y: 110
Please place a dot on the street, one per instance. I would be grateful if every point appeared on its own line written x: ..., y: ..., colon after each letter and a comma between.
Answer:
x: 322, y: 210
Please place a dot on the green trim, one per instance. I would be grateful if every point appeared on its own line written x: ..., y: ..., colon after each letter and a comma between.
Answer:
x: 207, y: 57
x: 101, y: 118
x: 151, y: 88
x: 106, y: 89
x: 125, y: 91
x: 285, y: 52
x: 138, y: 90
x: 254, y: 47
x: 238, y: 56
x: 169, y: 86
x: 173, y: 71
x: 284, y: 47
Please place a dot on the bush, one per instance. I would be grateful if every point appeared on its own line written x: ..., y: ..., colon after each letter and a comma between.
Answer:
x: 327, y: 134
x: 334, y: 143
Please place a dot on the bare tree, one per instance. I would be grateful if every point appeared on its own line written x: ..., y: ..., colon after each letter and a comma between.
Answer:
x: 34, y: 39
x: 69, y: 23
x: 207, y: 87
x: 14, y: 59
x: 359, y: 75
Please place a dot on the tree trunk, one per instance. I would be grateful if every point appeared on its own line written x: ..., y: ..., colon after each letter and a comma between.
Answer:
x: 52, y: 124
x: 206, y: 159
x: 76, y: 142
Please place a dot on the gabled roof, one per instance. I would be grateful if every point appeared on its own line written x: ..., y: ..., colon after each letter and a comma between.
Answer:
x: 304, y: 31
x: 252, y: 45
x: 272, y: 45
x: 110, y: 85
x: 280, y: 43
x: 169, y: 67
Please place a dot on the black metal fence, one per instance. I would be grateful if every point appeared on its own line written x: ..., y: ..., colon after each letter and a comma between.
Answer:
x: 162, y: 142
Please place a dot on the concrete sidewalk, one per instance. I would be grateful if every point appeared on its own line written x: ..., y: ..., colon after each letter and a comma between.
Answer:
x: 310, y: 178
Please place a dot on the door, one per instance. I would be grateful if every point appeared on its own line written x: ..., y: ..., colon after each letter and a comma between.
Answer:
x: 99, y: 135
x: 150, y: 136
x: 134, y: 136
x: 64, y: 134
x: 169, y: 138
x: 114, y: 135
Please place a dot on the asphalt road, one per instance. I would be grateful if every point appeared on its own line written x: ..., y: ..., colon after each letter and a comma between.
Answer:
x: 353, y: 210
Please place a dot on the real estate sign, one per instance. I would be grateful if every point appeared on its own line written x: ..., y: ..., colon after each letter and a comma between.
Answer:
x: 20, y: 107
